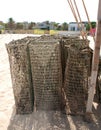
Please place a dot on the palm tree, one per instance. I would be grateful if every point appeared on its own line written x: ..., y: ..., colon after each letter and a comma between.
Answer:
x: 11, y: 24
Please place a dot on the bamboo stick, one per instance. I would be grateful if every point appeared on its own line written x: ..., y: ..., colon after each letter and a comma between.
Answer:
x: 80, y: 19
x: 88, y: 18
x: 75, y: 16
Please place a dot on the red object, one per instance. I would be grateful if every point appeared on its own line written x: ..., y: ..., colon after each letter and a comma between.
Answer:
x: 92, y: 31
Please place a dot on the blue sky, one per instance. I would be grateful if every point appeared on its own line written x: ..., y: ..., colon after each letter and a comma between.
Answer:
x: 41, y: 10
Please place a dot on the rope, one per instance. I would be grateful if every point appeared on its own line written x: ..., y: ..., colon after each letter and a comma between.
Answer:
x: 88, y: 18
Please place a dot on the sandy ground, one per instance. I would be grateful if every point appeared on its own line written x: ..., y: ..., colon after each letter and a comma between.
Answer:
x: 6, y: 92
x: 52, y: 120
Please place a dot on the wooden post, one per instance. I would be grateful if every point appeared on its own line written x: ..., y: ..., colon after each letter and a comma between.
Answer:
x: 88, y: 18
x: 95, y: 62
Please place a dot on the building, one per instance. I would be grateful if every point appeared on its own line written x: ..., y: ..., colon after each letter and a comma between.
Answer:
x: 44, y: 25
x: 25, y: 25
x: 73, y: 26
x: 1, y: 28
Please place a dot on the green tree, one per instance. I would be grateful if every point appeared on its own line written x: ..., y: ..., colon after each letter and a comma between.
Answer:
x: 19, y: 25
x: 56, y: 25
x: 64, y: 26
x: 1, y: 23
x: 59, y: 27
x: 6, y: 26
x: 93, y: 26
x: 11, y: 24
x: 48, y: 25
x: 31, y: 25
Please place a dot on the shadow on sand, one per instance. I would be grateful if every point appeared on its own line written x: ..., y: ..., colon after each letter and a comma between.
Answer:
x: 54, y: 120
x: 40, y: 120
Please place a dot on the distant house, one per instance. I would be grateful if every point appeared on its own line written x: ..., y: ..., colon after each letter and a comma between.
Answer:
x: 43, y: 25
x: 1, y: 28
x: 25, y: 25
x: 73, y: 26
x: 52, y: 26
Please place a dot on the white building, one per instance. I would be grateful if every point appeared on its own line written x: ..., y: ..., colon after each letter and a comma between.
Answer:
x: 73, y: 26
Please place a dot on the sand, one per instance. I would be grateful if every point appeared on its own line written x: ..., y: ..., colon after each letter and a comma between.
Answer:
x: 51, y: 120
x: 6, y: 92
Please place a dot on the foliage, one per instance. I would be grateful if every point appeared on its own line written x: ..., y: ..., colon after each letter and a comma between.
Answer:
x: 93, y: 24
x: 31, y: 25
x: 11, y: 24
x: 64, y: 26
x: 19, y: 25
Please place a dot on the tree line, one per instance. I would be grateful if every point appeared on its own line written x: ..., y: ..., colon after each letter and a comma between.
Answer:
x: 11, y: 25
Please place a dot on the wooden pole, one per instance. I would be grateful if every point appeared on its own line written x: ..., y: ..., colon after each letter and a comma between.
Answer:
x: 95, y: 62
x: 88, y: 18
x: 80, y: 20
x: 75, y: 16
